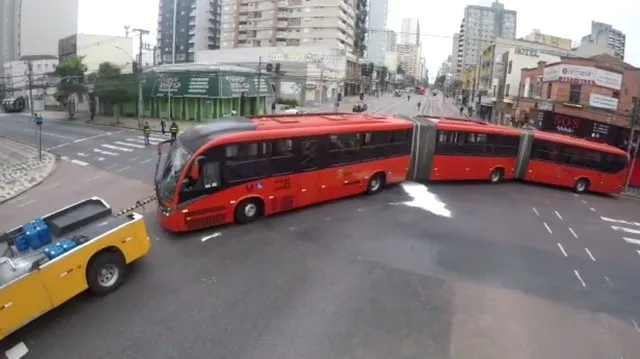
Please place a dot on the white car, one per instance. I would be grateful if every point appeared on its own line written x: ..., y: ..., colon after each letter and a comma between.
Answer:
x: 293, y: 111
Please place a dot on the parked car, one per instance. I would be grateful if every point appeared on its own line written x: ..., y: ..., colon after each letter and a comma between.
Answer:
x: 293, y: 111
x: 359, y: 107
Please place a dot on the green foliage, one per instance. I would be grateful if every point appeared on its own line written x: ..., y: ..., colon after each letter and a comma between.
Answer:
x: 72, y: 75
x: 399, y: 70
x: 440, y: 80
x: 112, y: 87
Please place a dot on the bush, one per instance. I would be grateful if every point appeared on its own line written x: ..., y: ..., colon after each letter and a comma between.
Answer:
x: 288, y: 102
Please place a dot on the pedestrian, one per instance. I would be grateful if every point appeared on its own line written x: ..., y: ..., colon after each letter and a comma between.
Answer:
x: 146, y: 130
x: 419, y: 104
x: 336, y: 106
x: 174, y: 130
x: 273, y: 108
x: 163, y: 126
x: 461, y: 110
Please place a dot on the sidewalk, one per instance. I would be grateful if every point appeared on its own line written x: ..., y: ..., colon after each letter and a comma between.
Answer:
x: 346, y: 105
x: 20, y: 168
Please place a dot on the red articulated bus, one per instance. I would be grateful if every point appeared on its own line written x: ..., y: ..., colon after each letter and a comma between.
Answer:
x: 419, y: 90
x: 457, y: 149
x: 238, y: 169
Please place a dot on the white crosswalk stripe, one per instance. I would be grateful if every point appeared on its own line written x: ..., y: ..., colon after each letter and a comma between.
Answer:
x: 136, y: 140
x: 104, y: 152
x: 112, y: 147
x: 153, y: 140
x: 128, y: 144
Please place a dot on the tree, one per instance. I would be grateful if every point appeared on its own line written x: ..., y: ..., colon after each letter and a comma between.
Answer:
x: 113, y: 88
x: 72, y: 83
x: 440, y: 80
x: 399, y: 70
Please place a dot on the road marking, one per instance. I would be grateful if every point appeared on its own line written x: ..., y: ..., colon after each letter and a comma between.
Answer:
x: 535, y: 211
x: 575, y: 271
x: 558, y: 214
x: 18, y: 199
x: 145, y: 161
x: 27, y: 203
x: 17, y: 352
x: 100, y: 158
x: 625, y: 229
x: 153, y: 140
x: 123, y: 169
x: 583, y: 201
x: 93, y: 137
x: 217, y: 234
x: 592, y: 209
x: 638, y: 251
x: 635, y: 325
x: 632, y: 240
x: 589, y: 253
x: 104, y: 152
x: 80, y: 163
x: 562, y: 249
x: 608, y: 281
x: 82, y: 154
x: 111, y: 147
x: 572, y: 232
x: 133, y: 159
x: 128, y: 144
x: 621, y: 221
x: 53, y: 134
x: 94, y: 178
x: 547, y: 227
x: 135, y: 140
x: 110, y: 167
x: 53, y: 186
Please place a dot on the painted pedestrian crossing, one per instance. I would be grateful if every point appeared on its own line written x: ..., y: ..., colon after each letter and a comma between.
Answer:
x: 122, y: 147
x: 627, y: 229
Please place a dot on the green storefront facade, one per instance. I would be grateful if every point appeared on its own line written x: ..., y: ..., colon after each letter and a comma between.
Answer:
x: 202, y: 92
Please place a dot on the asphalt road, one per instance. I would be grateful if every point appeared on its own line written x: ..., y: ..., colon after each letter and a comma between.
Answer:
x: 452, y: 271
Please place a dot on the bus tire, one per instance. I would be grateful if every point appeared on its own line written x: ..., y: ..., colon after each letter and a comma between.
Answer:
x: 497, y: 175
x: 248, y: 211
x: 105, y: 272
x: 376, y: 183
x: 581, y: 186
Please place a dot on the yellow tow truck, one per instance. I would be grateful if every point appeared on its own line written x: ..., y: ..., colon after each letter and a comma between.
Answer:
x: 51, y: 259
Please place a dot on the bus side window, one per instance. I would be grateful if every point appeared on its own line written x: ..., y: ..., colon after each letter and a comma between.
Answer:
x: 210, y: 175
x: 308, y: 154
x: 282, y: 159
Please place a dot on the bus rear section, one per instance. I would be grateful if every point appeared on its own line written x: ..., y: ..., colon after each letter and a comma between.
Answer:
x: 575, y: 163
x: 458, y: 150
x: 238, y: 169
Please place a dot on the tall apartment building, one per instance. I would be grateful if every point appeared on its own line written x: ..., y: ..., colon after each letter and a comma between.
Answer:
x: 391, y: 40
x: 410, y: 31
x: 187, y: 26
x: 33, y: 27
x: 482, y: 24
x: 539, y: 37
x: 360, y: 29
x: 272, y: 23
x: 376, y: 43
x: 409, y: 59
x: 456, y: 69
x: 605, y: 34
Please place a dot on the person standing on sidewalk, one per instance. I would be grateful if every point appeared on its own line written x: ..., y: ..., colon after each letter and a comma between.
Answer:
x: 146, y: 130
x: 273, y: 108
x: 163, y: 126
x: 173, y: 129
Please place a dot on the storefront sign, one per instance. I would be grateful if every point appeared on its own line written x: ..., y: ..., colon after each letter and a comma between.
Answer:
x: 545, y: 106
x: 527, y: 52
x: 582, y: 75
x: 600, y: 101
x: 204, y: 84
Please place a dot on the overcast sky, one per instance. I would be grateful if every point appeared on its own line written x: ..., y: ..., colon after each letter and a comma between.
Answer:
x: 439, y: 19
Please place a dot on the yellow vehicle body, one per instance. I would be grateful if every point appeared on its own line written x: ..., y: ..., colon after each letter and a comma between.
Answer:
x: 48, y: 285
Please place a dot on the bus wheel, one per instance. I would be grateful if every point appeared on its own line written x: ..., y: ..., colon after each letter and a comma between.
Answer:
x: 496, y: 175
x: 248, y: 211
x: 582, y: 185
x: 105, y: 273
x: 375, y: 183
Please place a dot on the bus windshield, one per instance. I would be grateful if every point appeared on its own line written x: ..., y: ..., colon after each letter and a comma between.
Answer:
x: 168, y: 172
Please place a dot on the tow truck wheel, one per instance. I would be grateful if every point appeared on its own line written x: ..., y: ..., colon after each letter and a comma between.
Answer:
x: 105, y: 273
x: 248, y: 211
x: 375, y: 183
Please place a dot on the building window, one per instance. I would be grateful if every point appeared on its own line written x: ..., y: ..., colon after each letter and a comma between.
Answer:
x: 574, y: 94
x: 506, y: 90
x: 616, y: 94
x: 509, y: 68
x: 549, y: 90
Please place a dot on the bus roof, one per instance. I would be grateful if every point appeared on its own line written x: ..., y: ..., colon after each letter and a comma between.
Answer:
x: 574, y: 141
x: 197, y: 136
x: 465, y: 124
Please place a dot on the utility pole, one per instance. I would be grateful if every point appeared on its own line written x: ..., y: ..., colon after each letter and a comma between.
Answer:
x: 141, y: 34
x: 127, y: 29
x: 30, y: 84
x: 634, y: 119
x: 259, y: 85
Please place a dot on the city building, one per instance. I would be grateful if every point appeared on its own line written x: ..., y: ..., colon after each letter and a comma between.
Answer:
x: 309, y: 75
x: 456, y: 68
x: 410, y: 31
x: 376, y: 43
x: 605, y: 34
x: 480, y: 26
x: 409, y: 60
x: 96, y: 49
x: 360, y: 29
x: 560, y: 42
x: 391, y: 41
x: 33, y: 27
x: 491, y: 70
x: 584, y: 97
x: 187, y: 26
x: 17, y: 79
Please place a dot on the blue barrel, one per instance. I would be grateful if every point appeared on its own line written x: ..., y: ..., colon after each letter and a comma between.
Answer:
x: 33, y: 238
x: 67, y: 244
x: 54, y: 251
x: 21, y: 242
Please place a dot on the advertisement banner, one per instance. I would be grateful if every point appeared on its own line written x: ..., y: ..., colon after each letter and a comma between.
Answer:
x: 580, y: 127
x: 605, y: 102
x: 583, y: 75
x: 182, y: 84
x: 232, y: 85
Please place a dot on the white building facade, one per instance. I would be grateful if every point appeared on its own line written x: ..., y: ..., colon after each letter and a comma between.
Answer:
x: 97, y: 49
x: 17, y: 79
x: 310, y: 75
x: 605, y: 34
x: 294, y: 23
x: 409, y: 59
x: 410, y: 31
x: 377, y: 37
